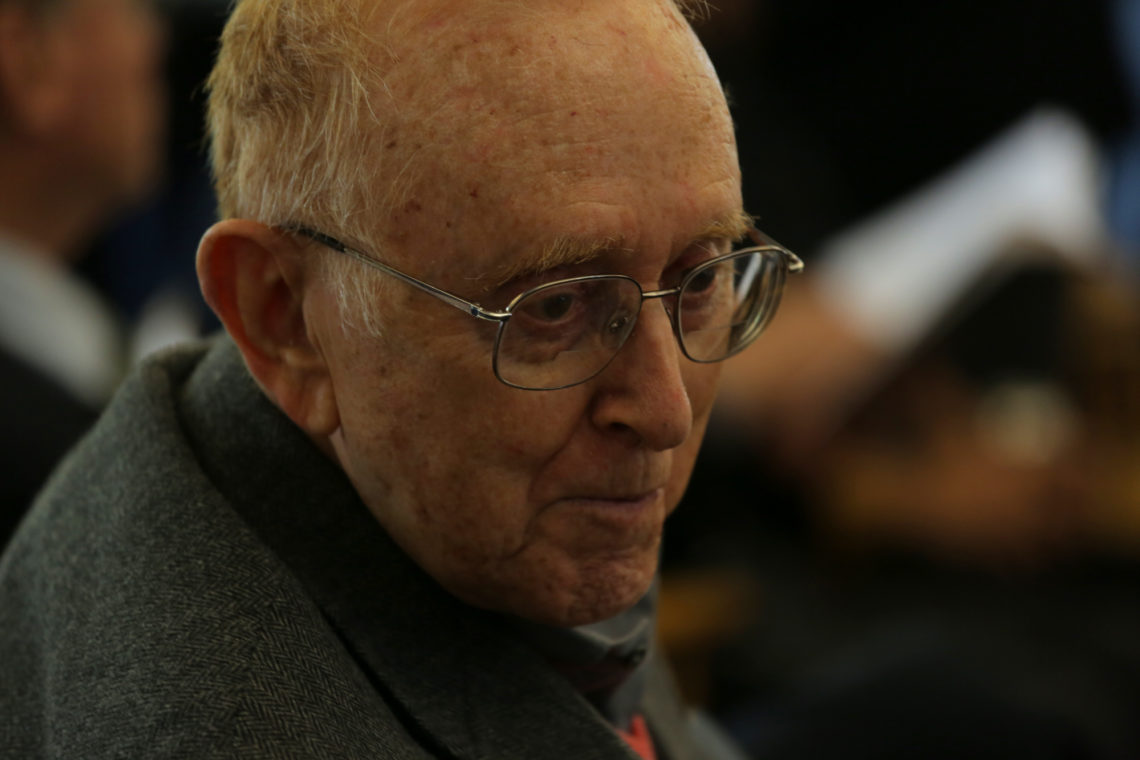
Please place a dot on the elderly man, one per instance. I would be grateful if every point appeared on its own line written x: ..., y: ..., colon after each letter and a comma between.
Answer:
x: 476, y: 270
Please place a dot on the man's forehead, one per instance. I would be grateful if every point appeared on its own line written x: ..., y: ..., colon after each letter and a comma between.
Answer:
x: 450, y: 50
x: 521, y: 126
x: 552, y: 86
x: 405, y: 16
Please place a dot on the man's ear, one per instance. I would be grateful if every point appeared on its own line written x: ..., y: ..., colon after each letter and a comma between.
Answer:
x: 255, y: 280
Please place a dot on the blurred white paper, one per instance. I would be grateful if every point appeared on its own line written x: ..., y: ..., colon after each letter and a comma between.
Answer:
x: 894, y: 276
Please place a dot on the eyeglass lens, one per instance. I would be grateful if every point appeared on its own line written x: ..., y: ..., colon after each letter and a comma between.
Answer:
x: 566, y: 332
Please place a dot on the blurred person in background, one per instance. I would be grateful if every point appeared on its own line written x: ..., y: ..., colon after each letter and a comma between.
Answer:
x: 82, y: 109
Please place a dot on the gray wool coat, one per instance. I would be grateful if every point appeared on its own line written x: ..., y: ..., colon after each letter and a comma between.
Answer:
x: 198, y: 581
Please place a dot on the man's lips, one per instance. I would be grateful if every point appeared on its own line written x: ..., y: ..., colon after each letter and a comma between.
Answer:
x: 617, y: 496
x: 609, y: 523
x: 618, y: 501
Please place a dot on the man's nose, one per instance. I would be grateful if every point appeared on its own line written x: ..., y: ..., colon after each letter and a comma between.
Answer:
x: 642, y: 391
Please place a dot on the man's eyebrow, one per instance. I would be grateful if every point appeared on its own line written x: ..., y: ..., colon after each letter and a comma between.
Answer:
x: 559, y: 252
x: 570, y: 251
x: 733, y: 227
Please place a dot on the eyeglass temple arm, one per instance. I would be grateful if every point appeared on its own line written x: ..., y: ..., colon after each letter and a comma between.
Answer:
x: 795, y: 263
x: 451, y: 299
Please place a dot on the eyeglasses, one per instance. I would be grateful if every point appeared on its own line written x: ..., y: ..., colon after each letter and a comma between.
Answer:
x: 564, y: 333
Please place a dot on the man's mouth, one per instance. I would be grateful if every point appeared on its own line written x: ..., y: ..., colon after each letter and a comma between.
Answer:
x: 628, y: 502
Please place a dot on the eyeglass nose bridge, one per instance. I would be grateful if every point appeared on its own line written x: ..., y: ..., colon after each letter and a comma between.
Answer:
x: 645, y: 295
x: 670, y: 314
x: 670, y: 306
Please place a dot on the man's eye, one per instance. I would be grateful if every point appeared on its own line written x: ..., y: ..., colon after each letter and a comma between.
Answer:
x: 556, y: 307
x: 553, y: 307
x: 702, y: 281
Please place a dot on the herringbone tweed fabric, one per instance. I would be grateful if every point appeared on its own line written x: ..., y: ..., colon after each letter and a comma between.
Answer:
x: 198, y: 581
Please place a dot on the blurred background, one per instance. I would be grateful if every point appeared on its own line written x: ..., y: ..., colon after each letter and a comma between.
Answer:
x: 915, y: 527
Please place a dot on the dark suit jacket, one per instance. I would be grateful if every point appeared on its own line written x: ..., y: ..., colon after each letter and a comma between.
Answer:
x: 39, y: 422
x: 199, y: 581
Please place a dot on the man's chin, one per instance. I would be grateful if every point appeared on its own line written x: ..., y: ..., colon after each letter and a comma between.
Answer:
x: 599, y: 593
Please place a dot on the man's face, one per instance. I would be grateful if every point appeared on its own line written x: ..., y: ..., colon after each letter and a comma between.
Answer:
x: 113, y: 51
x: 602, y: 125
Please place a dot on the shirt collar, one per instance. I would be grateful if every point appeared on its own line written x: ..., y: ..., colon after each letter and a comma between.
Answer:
x: 603, y: 661
x: 58, y: 324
